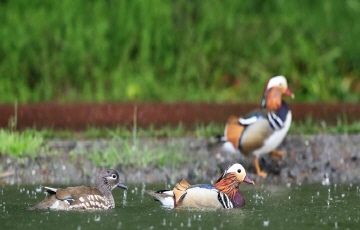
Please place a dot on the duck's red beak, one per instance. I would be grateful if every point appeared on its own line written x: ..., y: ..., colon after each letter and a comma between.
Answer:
x: 248, y: 180
x: 289, y: 93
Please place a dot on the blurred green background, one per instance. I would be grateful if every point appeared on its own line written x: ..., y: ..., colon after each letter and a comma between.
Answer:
x: 200, y: 51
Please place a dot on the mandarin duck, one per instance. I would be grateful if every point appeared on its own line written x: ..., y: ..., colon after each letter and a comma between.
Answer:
x: 224, y: 193
x: 263, y: 130
x: 83, y: 197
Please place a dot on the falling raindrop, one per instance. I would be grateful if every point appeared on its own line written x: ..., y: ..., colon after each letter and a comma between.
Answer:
x: 136, y: 190
x: 143, y: 185
x: 124, y: 198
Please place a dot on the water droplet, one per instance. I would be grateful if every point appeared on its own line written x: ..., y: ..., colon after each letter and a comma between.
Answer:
x: 97, y: 218
x: 266, y: 223
x: 119, y: 225
x: 38, y: 189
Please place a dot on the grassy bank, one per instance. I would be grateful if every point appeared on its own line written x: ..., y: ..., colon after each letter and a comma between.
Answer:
x: 32, y: 143
x: 156, y: 50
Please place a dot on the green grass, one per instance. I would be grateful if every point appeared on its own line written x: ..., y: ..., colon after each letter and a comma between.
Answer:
x: 212, y: 51
x: 21, y: 145
x: 138, y: 153
x: 310, y: 126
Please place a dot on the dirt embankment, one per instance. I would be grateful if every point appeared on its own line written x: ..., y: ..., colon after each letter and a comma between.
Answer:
x: 308, y: 159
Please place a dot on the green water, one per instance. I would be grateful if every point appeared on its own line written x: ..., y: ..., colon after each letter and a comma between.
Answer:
x: 267, y: 207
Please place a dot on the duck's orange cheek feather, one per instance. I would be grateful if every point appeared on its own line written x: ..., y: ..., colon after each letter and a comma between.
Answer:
x: 273, y: 99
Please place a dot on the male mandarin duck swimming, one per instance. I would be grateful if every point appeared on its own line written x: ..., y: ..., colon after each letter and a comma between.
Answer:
x: 262, y: 131
x: 224, y: 193
x: 84, y: 197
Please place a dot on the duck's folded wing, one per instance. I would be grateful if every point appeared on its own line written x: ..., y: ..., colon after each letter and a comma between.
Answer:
x: 253, y: 117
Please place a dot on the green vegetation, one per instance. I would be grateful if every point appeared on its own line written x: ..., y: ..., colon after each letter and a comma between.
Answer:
x: 138, y: 153
x: 214, y: 51
x: 21, y: 144
x: 310, y: 126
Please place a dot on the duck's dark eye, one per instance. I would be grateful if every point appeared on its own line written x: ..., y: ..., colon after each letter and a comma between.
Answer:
x: 114, y: 176
x: 239, y: 170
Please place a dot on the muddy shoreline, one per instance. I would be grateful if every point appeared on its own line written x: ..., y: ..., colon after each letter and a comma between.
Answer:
x: 308, y: 159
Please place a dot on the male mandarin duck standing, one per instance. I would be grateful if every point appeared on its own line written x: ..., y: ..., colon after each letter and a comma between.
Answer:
x: 84, y: 197
x: 262, y: 131
x: 224, y: 193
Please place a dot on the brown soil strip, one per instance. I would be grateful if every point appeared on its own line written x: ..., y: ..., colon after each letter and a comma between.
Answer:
x: 80, y: 116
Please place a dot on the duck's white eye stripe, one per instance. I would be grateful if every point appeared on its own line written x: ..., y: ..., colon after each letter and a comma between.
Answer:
x: 235, y: 168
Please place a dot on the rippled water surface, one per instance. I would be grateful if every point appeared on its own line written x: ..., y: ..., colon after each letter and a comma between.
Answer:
x: 267, y: 207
